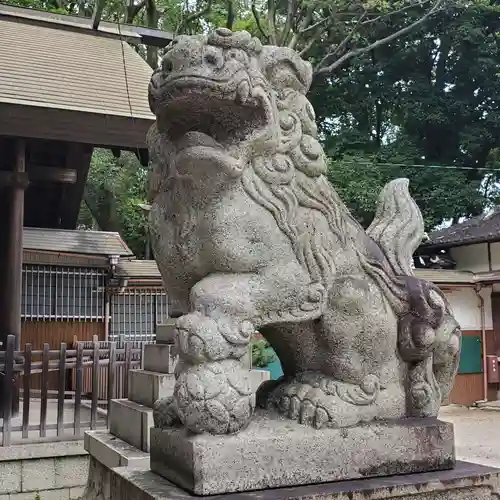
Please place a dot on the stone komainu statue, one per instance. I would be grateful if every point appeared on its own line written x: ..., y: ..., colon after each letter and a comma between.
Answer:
x: 249, y: 235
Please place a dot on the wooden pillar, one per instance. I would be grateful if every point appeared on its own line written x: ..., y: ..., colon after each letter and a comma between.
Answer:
x: 11, y: 251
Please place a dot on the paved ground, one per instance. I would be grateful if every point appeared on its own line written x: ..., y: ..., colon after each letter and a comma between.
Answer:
x: 477, y: 434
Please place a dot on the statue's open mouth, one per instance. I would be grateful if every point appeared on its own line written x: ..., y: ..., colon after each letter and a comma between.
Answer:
x: 210, y: 113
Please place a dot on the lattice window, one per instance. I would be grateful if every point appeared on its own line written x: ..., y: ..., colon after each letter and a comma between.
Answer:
x: 58, y: 293
x: 135, y: 314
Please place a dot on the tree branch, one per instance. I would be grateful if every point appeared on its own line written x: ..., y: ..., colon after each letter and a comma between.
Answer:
x: 309, y: 45
x: 271, y: 21
x: 194, y: 17
x: 288, y: 23
x: 395, y: 12
x: 315, y: 25
x: 230, y: 14
x: 303, y: 25
x: 356, y: 52
x: 344, y: 42
x: 133, y: 10
x: 257, y: 21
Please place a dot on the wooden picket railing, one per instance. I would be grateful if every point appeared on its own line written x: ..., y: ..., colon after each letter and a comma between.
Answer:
x: 18, y: 368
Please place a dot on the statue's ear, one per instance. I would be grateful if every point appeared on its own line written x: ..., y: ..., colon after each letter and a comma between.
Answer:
x: 284, y: 68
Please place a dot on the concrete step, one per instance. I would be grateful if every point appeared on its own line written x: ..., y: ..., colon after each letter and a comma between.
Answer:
x: 160, y: 358
x: 130, y: 422
x: 112, y: 451
x: 145, y: 387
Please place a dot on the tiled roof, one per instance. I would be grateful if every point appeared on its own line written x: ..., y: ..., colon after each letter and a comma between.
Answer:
x: 479, y: 229
x: 136, y: 269
x: 75, y: 242
x: 442, y: 276
x: 50, y: 67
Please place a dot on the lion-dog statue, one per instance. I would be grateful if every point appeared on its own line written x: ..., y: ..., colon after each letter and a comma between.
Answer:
x: 249, y: 236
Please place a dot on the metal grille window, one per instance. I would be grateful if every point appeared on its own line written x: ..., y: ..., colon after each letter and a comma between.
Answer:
x: 53, y: 293
x: 135, y: 314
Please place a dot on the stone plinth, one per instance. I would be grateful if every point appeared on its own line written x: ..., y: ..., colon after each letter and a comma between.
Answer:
x: 465, y: 482
x: 113, y: 452
x: 273, y: 453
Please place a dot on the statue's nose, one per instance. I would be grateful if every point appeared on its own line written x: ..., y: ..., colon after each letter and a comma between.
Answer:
x: 184, y: 56
x: 213, y: 57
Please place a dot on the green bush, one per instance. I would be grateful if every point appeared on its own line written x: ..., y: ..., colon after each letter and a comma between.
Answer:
x: 262, y: 354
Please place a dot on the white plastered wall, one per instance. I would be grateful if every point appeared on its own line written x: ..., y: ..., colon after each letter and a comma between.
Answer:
x: 473, y: 258
x: 465, y: 305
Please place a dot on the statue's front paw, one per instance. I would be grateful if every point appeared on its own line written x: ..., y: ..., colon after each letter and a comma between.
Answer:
x: 201, y: 338
x: 214, y: 397
x: 320, y: 401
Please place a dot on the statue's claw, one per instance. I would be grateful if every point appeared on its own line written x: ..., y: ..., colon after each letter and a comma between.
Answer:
x: 315, y: 400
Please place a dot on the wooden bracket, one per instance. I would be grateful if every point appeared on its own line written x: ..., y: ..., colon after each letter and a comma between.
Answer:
x: 17, y: 180
x: 21, y: 180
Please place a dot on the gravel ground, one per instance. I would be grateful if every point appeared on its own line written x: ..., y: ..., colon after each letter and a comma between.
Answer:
x: 477, y: 433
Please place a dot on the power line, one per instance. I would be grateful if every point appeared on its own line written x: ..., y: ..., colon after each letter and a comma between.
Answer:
x: 409, y: 165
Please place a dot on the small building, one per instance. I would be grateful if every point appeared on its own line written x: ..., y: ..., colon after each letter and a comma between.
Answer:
x: 81, y: 284
x: 472, y: 249
x: 138, y: 301
x: 64, y: 280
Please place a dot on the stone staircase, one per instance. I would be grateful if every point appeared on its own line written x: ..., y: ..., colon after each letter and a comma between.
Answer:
x: 131, y: 419
x: 126, y: 444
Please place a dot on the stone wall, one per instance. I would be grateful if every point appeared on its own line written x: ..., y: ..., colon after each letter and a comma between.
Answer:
x: 54, y: 471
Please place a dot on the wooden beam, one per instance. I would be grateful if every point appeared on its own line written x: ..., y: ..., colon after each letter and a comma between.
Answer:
x: 11, y: 251
x: 78, y: 156
x: 37, y: 173
x: 129, y: 32
x: 52, y: 174
x: 14, y: 179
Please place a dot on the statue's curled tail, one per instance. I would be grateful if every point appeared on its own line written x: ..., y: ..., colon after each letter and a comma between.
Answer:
x: 428, y: 335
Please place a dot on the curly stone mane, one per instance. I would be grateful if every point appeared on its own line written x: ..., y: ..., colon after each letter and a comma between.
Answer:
x: 293, y: 178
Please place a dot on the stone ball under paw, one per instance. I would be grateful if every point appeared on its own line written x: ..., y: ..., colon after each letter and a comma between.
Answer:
x: 215, y: 397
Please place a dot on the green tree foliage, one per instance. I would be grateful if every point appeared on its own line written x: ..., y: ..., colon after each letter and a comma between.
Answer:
x: 396, y: 83
x: 115, y: 190
x: 432, y: 99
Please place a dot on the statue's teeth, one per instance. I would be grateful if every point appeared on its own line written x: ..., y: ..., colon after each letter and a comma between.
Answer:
x: 242, y: 92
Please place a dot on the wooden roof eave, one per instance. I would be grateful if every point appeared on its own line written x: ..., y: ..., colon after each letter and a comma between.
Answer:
x: 129, y: 32
x: 40, y: 257
x: 95, y: 129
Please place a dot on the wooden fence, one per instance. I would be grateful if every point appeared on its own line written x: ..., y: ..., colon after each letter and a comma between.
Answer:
x: 104, y: 365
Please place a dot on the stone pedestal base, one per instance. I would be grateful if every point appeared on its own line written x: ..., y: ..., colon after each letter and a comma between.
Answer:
x: 465, y: 482
x: 273, y: 453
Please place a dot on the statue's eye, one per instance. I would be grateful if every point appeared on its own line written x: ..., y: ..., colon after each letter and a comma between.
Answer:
x: 237, y: 54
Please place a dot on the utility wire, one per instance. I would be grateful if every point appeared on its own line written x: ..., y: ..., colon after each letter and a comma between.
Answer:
x: 408, y: 165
